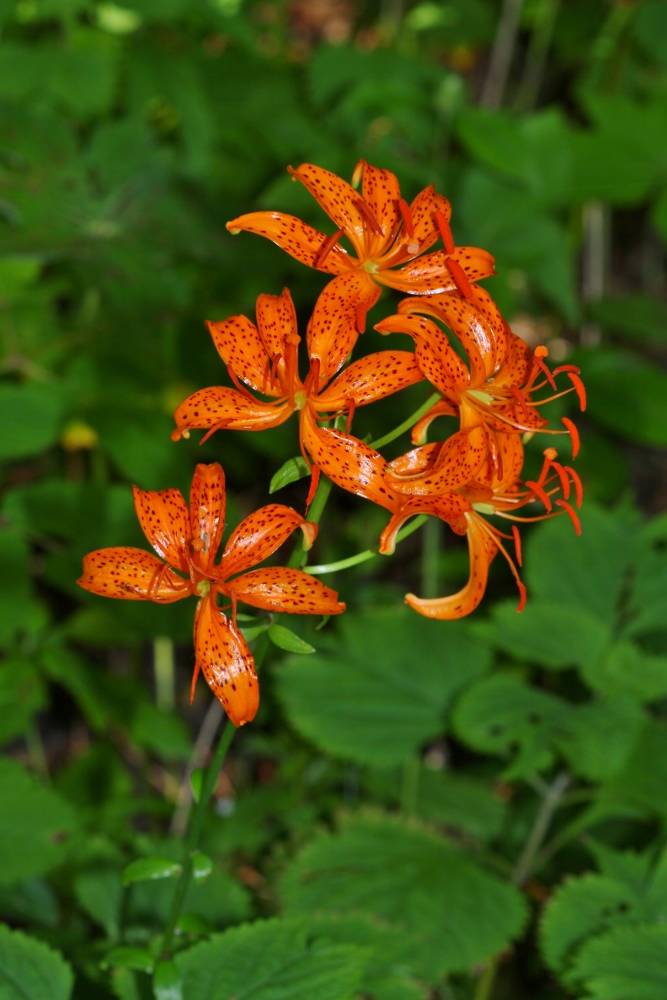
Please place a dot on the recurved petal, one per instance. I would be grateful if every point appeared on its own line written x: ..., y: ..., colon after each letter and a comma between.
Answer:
x: 434, y: 355
x: 458, y: 461
x: 278, y: 588
x: 299, y: 240
x: 208, y: 503
x: 468, y: 325
x: 132, y: 575
x: 163, y: 516
x: 381, y: 192
x: 339, y: 200
x: 240, y: 346
x: 416, y: 461
x: 221, y: 407
x: 258, y: 536
x: 423, y: 210
x: 338, y: 318
x: 518, y: 363
x: 226, y: 662
x: 348, y: 462
x: 371, y: 377
x: 441, y: 409
x: 482, y: 549
x: 449, y: 507
x: 428, y: 275
x: 498, y: 326
x: 276, y: 319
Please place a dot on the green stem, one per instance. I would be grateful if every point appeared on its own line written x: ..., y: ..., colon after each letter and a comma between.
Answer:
x: 300, y: 554
x: 538, y: 51
x: 367, y: 554
x: 194, y: 834
x: 430, y: 561
x: 165, y: 676
x: 486, y: 980
x: 407, y: 424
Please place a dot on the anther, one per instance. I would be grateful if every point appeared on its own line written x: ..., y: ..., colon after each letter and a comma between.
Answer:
x: 327, y: 247
x: 542, y: 352
x: 574, y: 434
x: 516, y: 392
x: 517, y: 544
x: 407, y: 217
x: 539, y: 492
x: 572, y: 514
x: 365, y: 210
x: 579, y: 389
x: 445, y: 232
x: 460, y: 277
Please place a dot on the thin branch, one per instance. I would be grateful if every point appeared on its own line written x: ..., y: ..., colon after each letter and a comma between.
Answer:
x: 503, y: 52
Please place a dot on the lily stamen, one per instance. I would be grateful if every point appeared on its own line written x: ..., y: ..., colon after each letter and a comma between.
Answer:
x: 460, y: 277
x: 328, y: 247
x: 445, y: 232
x: 363, y: 207
x: 407, y: 217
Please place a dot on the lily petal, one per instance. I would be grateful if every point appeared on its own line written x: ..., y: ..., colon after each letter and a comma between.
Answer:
x: 132, y: 575
x: 482, y: 549
x: 259, y: 535
x: 517, y: 364
x: 417, y: 460
x: 491, y: 313
x: 278, y: 588
x: 467, y: 324
x: 381, y: 192
x: 434, y: 355
x: 292, y: 235
x: 276, y: 319
x: 423, y: 210
x: 226, y: 662
x: 339, y: 200
x: 429, y: 275
x: 240, y: 346
x: 348, y: 462
x: 334, y: 326
x: 165, y: 521
x: 458, y: 461
x: 207, y: 512
x: 449, y: 507
x: 221, y: 407
x: 443, y: 408
x: 372, y: 377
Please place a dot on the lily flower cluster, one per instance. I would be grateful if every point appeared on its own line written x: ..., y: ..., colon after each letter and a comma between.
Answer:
x: 492, y: 384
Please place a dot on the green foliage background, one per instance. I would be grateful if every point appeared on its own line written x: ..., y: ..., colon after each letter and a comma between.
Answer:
x: 454, y: 810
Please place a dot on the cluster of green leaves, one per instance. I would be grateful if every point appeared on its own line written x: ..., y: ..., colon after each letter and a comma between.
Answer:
x: 412, y: 792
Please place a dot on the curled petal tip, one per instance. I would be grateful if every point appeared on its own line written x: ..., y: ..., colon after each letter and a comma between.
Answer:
x: 310, y: 530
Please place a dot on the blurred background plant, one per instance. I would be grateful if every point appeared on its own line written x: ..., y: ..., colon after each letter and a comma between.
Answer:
x: 464, y: 810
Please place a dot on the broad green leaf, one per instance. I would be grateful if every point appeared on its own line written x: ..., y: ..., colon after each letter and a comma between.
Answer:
x: 29, y: 970
x: 22, y: 694
x: 627, y: 963
x: 197, y: 782
x: 284, y: 638
x: 147, y: 869
x: 271, y: 960
x: 33, y: 901
x: 627, y: 394
x: 16, y: 274
x: 552, y: 635
x: 32, y: 415
x: 202, y: 866
x: 459, y: 803
x: 383, y: 688
x: 648, y: 596
x: 128, y: 957
x: 626, y: 669
x: 219, y: 900
x: 598, y: 738
x: 587, y: 572
x: 36, y: 826
x: 161, y: 732
x: 580, y: 908
x: 635, y: 316
x: 19, y: 612
x: 649, y: 27
x: 289, y: 472
x: 167, y: 984
x: 642, y: 782
x: 100, y: 893
x: 414, y: 879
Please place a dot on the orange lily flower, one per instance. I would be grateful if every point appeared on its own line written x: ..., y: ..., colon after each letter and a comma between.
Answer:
x: 187, y: 542
x: 493, y: 394
x: 383, y: 229
x: 265, y: 357
x: 502, y: 496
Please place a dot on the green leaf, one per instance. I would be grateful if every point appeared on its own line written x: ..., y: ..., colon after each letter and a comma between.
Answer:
x: 598, y: 738
x: 460, y: 803
x: 167, y: 984
x: 21, y: 696
x: 627, y: 394
x: 635, y: 316
x: 202, y: 866
x: 197, y: 781
x: 128, y: 957
x: 34, y: 413
x: 271, y: 960
x: 627, y: 670
x: 383, y: 688
x: 147, y: 869
x: 291, y: 470
x: 161, y: 732
x: 35, y: 826
x: 587, y: 572
x: 284, y: 638
x: 33, y: 901
x: 578, y: 909
x: 627, y: 963
x: 552, y: 635
x: 100, y: 893
x: 460, y: 914
x: 17, y: 273
x: 642, y: 783
x: 29, y: 969
x: 648, y: 597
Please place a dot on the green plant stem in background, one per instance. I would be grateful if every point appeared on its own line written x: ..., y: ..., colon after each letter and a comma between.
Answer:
x: 165, y: 673
x: 367, y: 554
x: 486, y: 981
x: 502, y: 54
x: 430, y: 559
x: 536, y: 59
x: 407, y: 424
x: 300, y: 554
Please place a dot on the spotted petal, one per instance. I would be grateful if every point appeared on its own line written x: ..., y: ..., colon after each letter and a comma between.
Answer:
x: 381, y: 192
x: 458, y: 461
x: 423, y: 210
x: 449, y: 507
x: 340, y: 201
x: 482, y: 549
x: 240, y: 346
x: 223, y: 657
x: 295, y: 237
x: 221, y: 407
x: 338, y: 318
x: 428, y: 275
x: 259, y: 535
x: 467, y: 324
x: 434, y: 355
x: 278, y: 588
x: 207, y: 512
x: 276, y: 319
x: 370, y: 378
x: 164, y: 519
x: 132, y: 575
